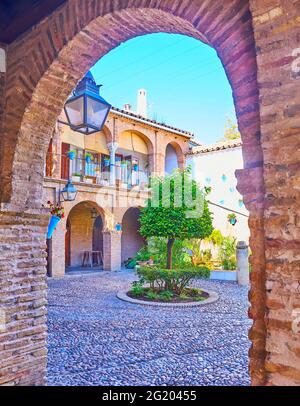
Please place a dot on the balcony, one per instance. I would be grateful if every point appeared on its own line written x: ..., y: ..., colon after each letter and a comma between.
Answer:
x: 96, y: 172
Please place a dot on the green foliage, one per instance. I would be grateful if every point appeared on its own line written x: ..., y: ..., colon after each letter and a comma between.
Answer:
x: 138, y: 290
x: 143, y: 254
x: 172, y: 215
x: 227, y: 253
x: 216, y: 238
x: 175, y: 280
x: 152, y: 295
x: 157, y: 250
x: 173, y: 221
x: 231, y: 131
x: 166, y: 295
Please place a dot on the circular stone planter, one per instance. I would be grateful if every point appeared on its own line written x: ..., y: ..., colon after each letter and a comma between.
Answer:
x: 213, y: 297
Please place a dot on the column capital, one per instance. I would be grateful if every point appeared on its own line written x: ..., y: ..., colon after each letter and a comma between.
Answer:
x: 112, y: 146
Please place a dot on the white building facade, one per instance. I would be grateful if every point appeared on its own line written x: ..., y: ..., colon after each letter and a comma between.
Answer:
x: 215, y: 166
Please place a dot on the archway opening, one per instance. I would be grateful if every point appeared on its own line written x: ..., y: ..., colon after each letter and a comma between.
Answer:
x: 84, y: 238
x: 171, y: 160
x: 132, y: 241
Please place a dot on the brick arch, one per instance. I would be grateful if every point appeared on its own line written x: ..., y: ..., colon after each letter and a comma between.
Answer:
x: 106, y: 215
x: 66, y: 44
x: 108, y: 134
x: 179, y: 152
x: 143, y: 136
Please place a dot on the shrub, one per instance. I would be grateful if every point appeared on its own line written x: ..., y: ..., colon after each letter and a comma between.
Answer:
x: 143, y: 255
x: 138, y: 290
x: 166, y: 295
x: 157, y: 248
x: 152, y: 295
x: 175, y: 280
x: 228, y: 253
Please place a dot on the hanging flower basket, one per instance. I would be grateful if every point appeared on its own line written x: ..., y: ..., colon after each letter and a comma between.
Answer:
x: 52, y: 226
x: 232, y: 219
x: 135, y: 167
x: 57, y: 213
x: 88, y: 158
x: 71, y: 155
x: 106, y: 162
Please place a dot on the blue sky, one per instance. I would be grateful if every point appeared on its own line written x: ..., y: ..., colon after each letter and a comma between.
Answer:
x: 186, y: 82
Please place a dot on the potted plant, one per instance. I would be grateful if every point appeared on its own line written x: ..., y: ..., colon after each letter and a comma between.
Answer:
x: 71, y: 154
x: 135, y: 167
x: 106, y: 161
x: 76, y: 177
x: 232, y: 219
x: 88, y: 158
x: 88, y: 180
x: 57, y: 213
x: 124, y: 164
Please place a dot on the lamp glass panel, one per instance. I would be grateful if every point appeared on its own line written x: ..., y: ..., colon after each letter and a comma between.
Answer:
x: 75, y: 111
x: 96, y: 112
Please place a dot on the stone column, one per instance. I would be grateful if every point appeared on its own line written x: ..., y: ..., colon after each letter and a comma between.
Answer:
x: 242, y: 256
x: 57, y: 251
x: 113, y: 146
x: 112, y: 251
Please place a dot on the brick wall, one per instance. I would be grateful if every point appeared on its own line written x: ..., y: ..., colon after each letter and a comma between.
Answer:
x: 23, y: 298
x: 277, y: 36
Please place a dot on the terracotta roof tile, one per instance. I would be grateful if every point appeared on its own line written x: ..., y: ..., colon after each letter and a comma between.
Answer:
x: 219, y: 146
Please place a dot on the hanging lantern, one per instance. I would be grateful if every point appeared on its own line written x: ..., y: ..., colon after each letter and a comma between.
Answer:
x: 86, y: 110
x: 69, y: 193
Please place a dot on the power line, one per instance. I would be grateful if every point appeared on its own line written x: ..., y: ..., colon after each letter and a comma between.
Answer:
x: 141, y: 59
x: 151, y: 67
x: 226, y: 208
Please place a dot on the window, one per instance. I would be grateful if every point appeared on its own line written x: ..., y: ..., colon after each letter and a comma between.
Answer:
x: 76, y: 165
x: 92, y: 168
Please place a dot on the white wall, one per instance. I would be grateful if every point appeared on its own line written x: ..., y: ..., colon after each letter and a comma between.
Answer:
x: 217, y: 169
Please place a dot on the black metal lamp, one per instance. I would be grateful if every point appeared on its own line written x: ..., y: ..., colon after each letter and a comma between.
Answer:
x: 69, y: 193
x: 86, y: 110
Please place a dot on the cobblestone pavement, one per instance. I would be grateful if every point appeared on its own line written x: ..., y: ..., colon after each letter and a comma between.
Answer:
x: 96, y: 339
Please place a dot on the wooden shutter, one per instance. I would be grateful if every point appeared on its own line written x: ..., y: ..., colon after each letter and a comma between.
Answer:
x: 65, y: 161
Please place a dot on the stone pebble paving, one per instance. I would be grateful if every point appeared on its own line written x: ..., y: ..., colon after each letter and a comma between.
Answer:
x: 96, y: 339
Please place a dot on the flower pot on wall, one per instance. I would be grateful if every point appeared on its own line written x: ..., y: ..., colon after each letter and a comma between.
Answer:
x: 52, y: 226
x: 71, y: 155
x: 76, y: 178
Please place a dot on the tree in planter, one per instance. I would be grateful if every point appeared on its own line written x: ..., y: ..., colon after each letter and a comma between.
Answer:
x: 177, y: 210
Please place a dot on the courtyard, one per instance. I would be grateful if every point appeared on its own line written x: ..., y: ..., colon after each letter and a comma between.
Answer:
x: 96, y: 339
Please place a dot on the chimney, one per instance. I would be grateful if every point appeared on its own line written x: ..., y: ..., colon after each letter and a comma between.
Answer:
x: 127, y: 107
x: 142, y: 104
